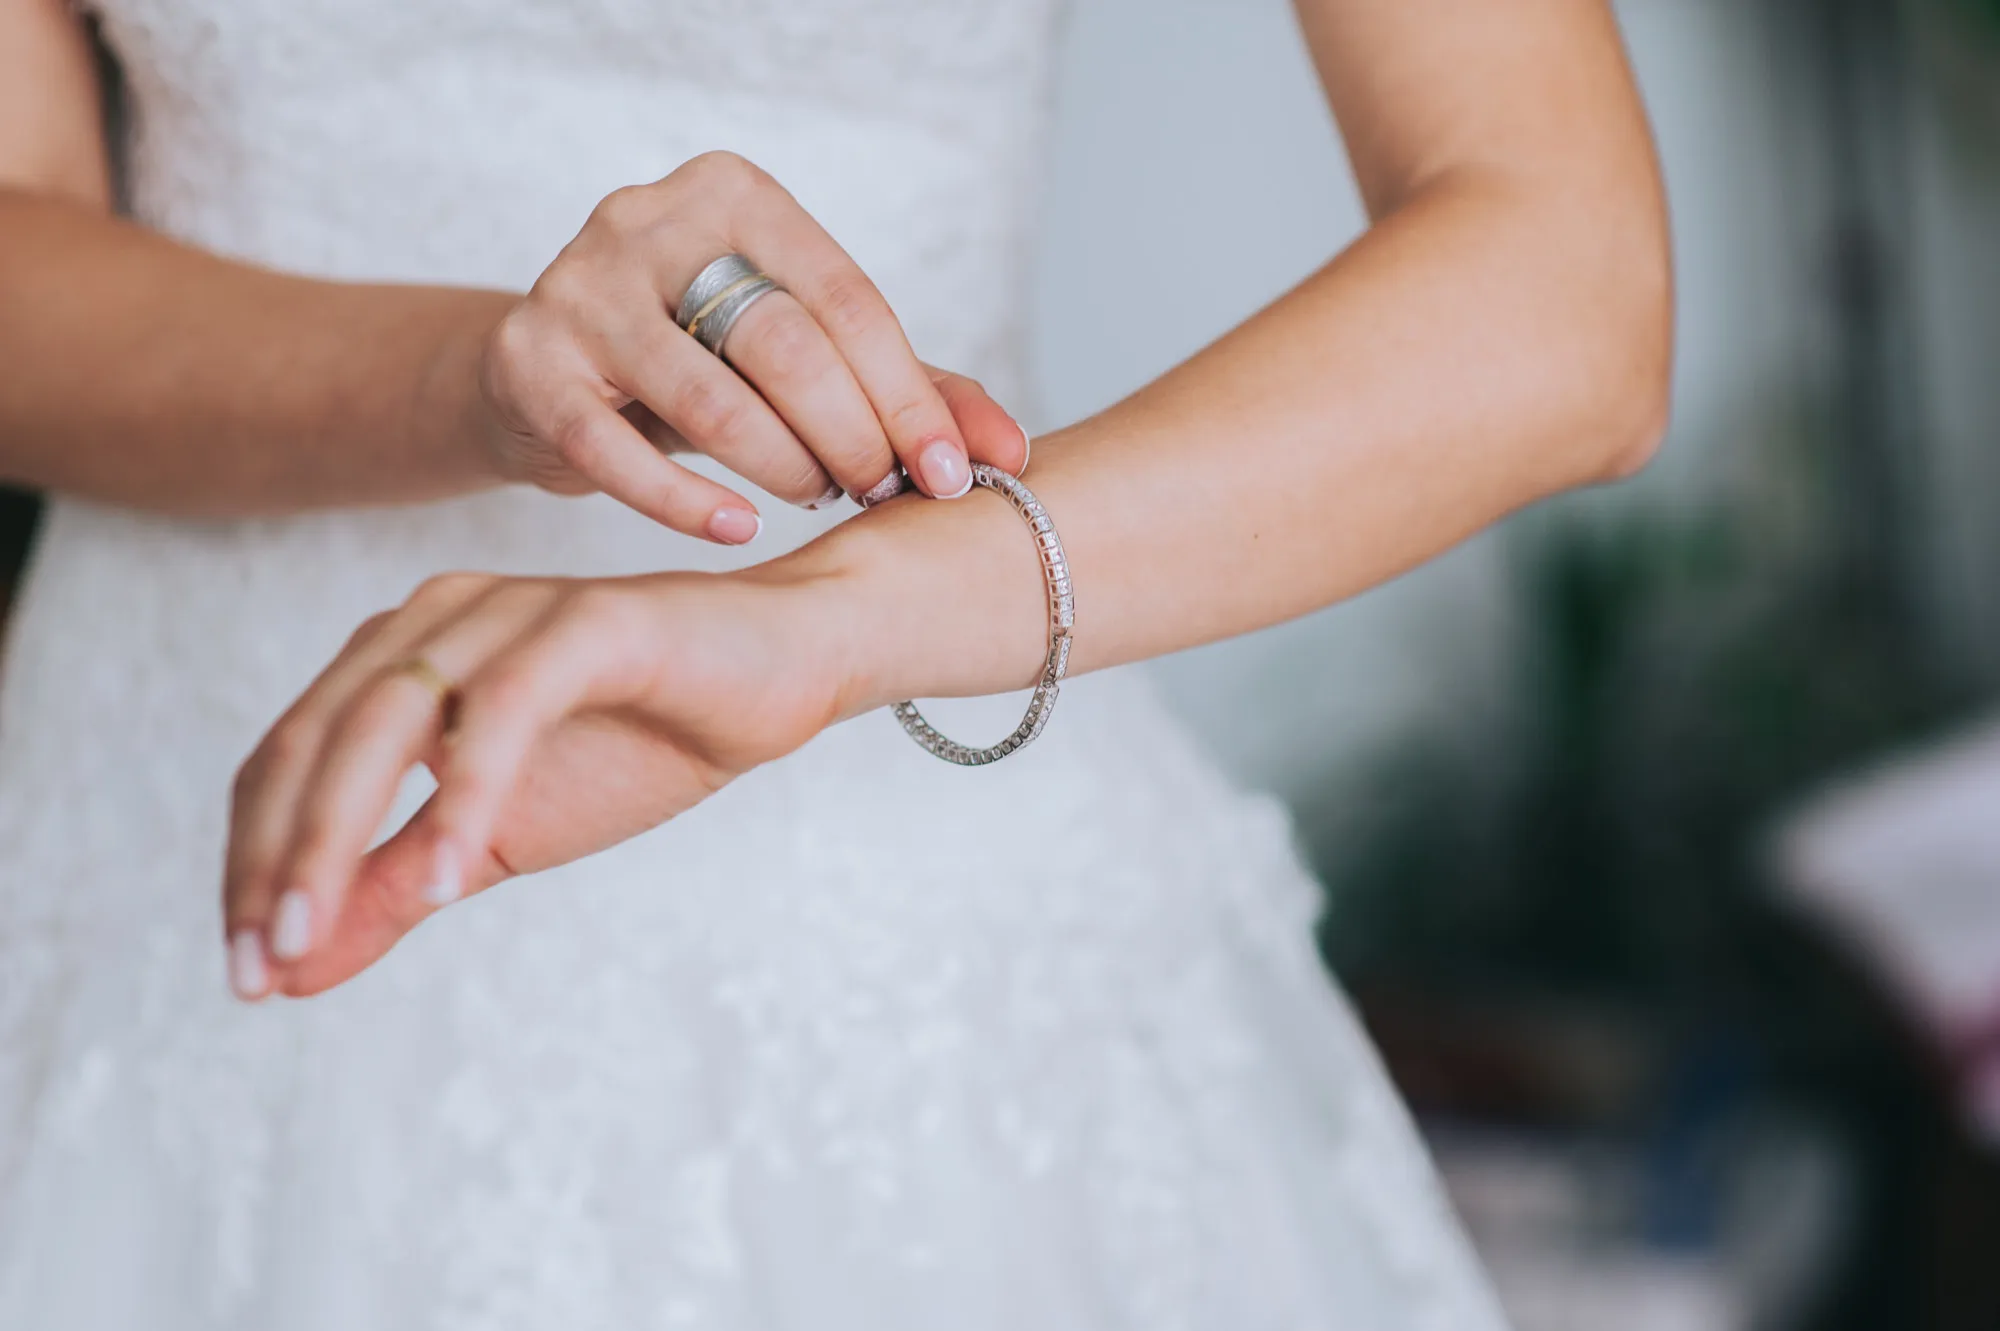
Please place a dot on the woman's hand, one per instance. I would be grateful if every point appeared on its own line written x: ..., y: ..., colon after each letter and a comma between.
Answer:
x: 589, y: 379
x: 580, y: 713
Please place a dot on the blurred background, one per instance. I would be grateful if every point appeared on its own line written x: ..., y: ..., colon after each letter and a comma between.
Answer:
x: 1661, y: 826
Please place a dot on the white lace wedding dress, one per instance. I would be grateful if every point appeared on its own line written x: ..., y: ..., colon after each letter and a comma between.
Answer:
x: 865, y: 1041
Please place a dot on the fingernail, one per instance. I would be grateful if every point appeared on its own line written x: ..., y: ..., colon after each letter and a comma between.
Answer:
x: 735, y: 526
x: 945, y: 469
x: 248, y: 975
x: 291, y: 934
x: 447, y: 884
x: 887, y: 488
x: 1027, y: 449
x: 832, y: 496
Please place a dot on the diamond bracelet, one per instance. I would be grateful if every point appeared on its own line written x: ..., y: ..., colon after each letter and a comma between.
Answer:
x: 1062, y: 619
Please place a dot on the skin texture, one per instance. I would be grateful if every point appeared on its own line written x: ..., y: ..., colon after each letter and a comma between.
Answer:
x: 1502, y: 332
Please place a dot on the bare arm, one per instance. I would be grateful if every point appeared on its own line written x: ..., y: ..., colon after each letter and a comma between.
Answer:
x: 1501, y: 333
x: 146, y: 372
x: 150, y: 373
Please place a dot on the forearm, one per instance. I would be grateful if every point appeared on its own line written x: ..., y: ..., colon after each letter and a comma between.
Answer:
x: 1477, y: 350
x: 145, y: 372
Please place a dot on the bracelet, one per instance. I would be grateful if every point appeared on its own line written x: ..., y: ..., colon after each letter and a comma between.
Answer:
x: 1062, y: 619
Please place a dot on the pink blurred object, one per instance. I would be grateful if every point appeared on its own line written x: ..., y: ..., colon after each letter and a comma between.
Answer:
x: 1903, y: 863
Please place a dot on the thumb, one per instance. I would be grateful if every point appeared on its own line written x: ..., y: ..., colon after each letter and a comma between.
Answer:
x: 991, y: 434
x: 396, y: 888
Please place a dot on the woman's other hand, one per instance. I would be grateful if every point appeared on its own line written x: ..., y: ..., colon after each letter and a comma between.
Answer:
x: 589, y: 380
x: 559, y: 717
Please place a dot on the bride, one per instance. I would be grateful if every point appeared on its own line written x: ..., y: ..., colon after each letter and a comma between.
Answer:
x: 794, y: 1025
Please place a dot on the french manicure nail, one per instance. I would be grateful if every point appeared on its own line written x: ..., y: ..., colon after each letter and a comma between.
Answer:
x: 447, y: 884
x: 735, y: 526
x: 887, y: 488
x: 291, y: 934
x: 1027, y: 450
x: 945, y: 469
x: 832, y: 496
x: 248, y: 975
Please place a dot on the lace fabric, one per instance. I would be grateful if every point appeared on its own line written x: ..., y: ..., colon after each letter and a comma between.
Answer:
x: 863, y: 1041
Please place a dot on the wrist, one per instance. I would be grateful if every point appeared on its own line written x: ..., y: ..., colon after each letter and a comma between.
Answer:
x: 823, y: 604
x: 918, y: 598
x: 451, y: 398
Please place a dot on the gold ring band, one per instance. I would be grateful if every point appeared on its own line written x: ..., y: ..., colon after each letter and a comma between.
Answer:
x: 694, y: 324
x: 429, y: 676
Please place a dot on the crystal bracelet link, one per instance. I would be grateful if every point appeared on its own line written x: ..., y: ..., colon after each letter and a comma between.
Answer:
x: 1062, y: 622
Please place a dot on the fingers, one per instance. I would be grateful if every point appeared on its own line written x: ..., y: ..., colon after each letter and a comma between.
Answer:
x: 743, y: 209
x: 568, y: 660
x: 385, y: 728
x: 783, y: 238
x: 991, y: 434
x: 390, y: 896
x: 543, y: 374
x: 571, y: 657
x: 307, y: 902
x: 605, y: 448
x: 271, y: 780
x: 778, y: 347
x: 710, y: 407
x: 820, y: 392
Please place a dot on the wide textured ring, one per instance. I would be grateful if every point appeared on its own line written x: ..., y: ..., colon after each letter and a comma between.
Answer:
x: 718, y: 297
x: 1062, y: 621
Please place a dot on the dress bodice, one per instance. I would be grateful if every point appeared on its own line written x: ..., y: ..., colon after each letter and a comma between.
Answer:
x: 439, y: 140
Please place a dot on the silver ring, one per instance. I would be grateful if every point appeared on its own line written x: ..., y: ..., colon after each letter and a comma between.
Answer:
x: 717, y: 298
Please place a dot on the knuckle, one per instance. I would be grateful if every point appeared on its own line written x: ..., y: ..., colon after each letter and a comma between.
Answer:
x: 791, y: 344
x: 515, y: 339
x: 564, y: 298
x: 911, y: 418
x: 367, y: 629
x: 574, y: 439
x: 506, y: 693
x: 803, y: 481
x: 625, y: 211
x: 522, y: 601
x: 448, y: 589
x: 705, y: 410
x: 721, y: 169
x: 721, y: 159
x: 850, y: 305
x: 507, y: 350
x: 596, y: 607
x: 554, y: 282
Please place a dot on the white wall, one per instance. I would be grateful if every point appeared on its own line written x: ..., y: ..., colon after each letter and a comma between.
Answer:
x: 1191, y: 141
